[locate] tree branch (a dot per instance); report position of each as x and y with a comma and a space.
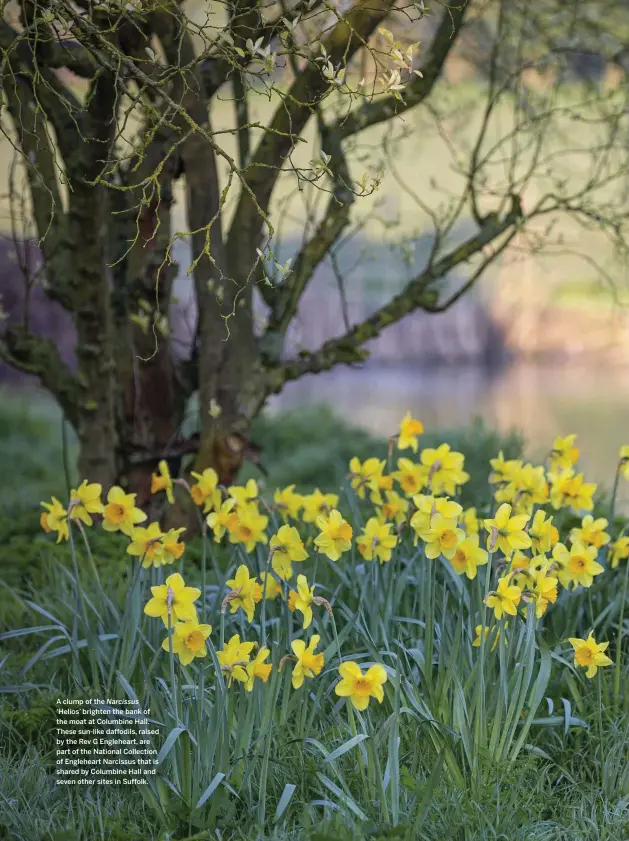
40, 357
418, 294
287, 124
336, 219
418, 90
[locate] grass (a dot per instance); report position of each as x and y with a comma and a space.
470, 743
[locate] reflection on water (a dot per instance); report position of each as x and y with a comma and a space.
541, 401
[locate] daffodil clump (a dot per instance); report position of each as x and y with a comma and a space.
537, 541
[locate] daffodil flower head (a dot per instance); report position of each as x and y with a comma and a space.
288, 503
244, 494
505, 599
335, 535
365, 476
468, 556
443, 537
376, 541
84, 501
287, 547
234, 659
223, 519
248, 527
188, 641
506, 532
304, 599
394, 507
410, 429
317, 504
258, 669
55, 519
619, 551
173, 601
162, 481
444, 469
411, 477
146, 543
590, 655
205, 493
564, 453
244, 592
577, 565
308, 663
120, 513
359, 687
271, 588
592, 532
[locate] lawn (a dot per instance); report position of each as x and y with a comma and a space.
450, 733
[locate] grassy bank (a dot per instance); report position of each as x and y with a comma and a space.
472, 738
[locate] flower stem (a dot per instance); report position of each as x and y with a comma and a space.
621, 620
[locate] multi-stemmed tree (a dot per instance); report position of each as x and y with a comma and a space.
108, 107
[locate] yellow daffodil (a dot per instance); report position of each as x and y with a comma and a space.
359, 687
591, 533
317, 503
188, 641
577, 565
468, 556
246, 592
619, 551
394, 507
248, 527
174, 598
564, 454
271, 588
335, 535
287, 547
244, 495
55, 518
85, 500
427, 507
410, 476
258, 669
590, 655
443, 469
308, 663
234, 659
485, 631
544, 589
525, 569
542, 533
503, 470
223, 519
288, 503
205, 493
120, 513
376, 541
528, 487
443, 537
568, 490
365, 476
506, 533
162, 481
623, 461
146, 543
468, 519
303, 599
505, 599
172, 547
410, 428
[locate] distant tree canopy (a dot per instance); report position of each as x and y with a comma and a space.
109, 109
